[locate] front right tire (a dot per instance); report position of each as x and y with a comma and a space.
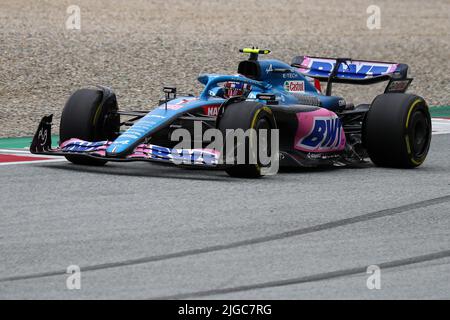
247, 115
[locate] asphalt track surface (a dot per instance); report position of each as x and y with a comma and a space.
139, 230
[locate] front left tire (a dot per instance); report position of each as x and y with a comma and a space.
89, 114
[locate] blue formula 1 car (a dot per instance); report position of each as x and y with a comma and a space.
313, 127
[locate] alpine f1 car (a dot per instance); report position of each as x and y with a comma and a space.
315, 128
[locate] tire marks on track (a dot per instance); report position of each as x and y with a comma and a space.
310, 278
243, 243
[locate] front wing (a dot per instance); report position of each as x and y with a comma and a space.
41, 144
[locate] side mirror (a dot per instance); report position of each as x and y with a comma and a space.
171, 93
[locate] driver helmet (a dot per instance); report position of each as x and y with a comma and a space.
233, 89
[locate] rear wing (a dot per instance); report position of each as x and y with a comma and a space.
346, 70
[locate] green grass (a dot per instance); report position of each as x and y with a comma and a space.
440, 111
22, 142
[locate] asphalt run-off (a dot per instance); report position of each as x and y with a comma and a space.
176, 233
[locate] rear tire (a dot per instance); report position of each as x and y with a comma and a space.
246, 115
87, 116
397, 130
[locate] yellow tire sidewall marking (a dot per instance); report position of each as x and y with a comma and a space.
252, 126
408, 147
97, 114
410, 110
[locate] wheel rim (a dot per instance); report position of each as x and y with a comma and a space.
420, 134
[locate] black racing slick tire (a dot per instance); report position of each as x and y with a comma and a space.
89, 115
246, 115
397, 130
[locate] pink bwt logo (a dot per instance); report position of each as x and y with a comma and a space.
319, 131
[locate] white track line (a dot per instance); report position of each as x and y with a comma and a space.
21, 153
440, 126
14, 151
31, 162
27, 153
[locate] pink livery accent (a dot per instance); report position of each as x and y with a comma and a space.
319, 131
70, 141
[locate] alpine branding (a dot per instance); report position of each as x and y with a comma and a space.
324, 136
42, 136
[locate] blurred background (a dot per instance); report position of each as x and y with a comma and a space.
137, 46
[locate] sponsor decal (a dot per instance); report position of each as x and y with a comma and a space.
294, 86
322, 156
353, 70
177, 156
398, 85
319, 131
76, 145
144, 151
308, 100
290, 75
325, 134
123, 142
211, 111
129, 135
175, 106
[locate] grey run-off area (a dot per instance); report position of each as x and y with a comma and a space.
140, 230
